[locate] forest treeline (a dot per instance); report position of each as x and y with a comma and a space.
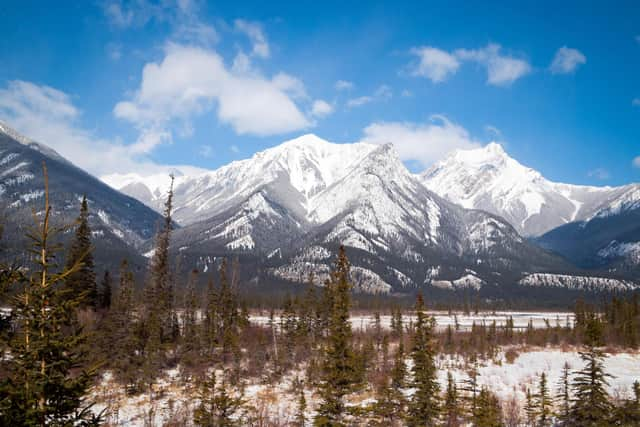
63, 328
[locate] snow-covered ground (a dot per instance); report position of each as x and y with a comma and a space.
443, 319
175, 400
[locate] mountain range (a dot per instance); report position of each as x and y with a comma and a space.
476, 220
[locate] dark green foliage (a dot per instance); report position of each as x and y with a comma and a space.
423, 408
218, 407
563, 396
81, 282
543, 403
42, 388
301, 414
451, 411
591, 404
488, 412
190, 340
338, 367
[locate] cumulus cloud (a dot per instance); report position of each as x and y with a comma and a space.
599, 173
567, 60
48, 116
636, 162
502, 70
421, 142
321, 108
344, 85
190, 80
359, 101
253, 30
437, 65
433, 63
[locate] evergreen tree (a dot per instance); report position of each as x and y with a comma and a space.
530, 409
81, 282
591, 404
218, 407
543, 403
563, 396
488, 412
451, 409
628, 414
211, 317
42, 387
423, 405
189, 322
471, 388
338, 367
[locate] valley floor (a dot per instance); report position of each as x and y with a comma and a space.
509, 374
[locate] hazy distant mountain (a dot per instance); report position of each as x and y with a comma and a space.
120, 224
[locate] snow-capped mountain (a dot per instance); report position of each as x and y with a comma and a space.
120, 224
293, 204
488, 179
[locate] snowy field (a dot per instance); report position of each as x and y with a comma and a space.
443, 319
507, 380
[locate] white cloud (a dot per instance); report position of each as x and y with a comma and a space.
382, 92
435, 64
344, 85
190, 80
599, 173
321, 108
636, 162
359, 101
438, 65
636, 102
47, 115
182, 15
114, 51
421, 142
253, 30
638, 38
567, 60
234, 149
492, 130
502, 70
406, 93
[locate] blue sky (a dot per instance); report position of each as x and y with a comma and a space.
147, 84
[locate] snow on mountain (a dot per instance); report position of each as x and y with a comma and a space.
578, 282
487, 178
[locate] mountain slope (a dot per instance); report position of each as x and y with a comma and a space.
488, 179
120, 224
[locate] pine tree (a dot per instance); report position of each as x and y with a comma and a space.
338, 367
591, 403
211, 317
628, 414
82, 282
471, 389
423, 405
42, 387
563, 397
488, 412
543, 403
451, 409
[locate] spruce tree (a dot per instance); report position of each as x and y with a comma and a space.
543, 403
488, 412
82, 281
189, 322
218, 407
338, 366
451, 409
530, 409
47, 382
301, 414
423, 408
591, 403
563, 396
